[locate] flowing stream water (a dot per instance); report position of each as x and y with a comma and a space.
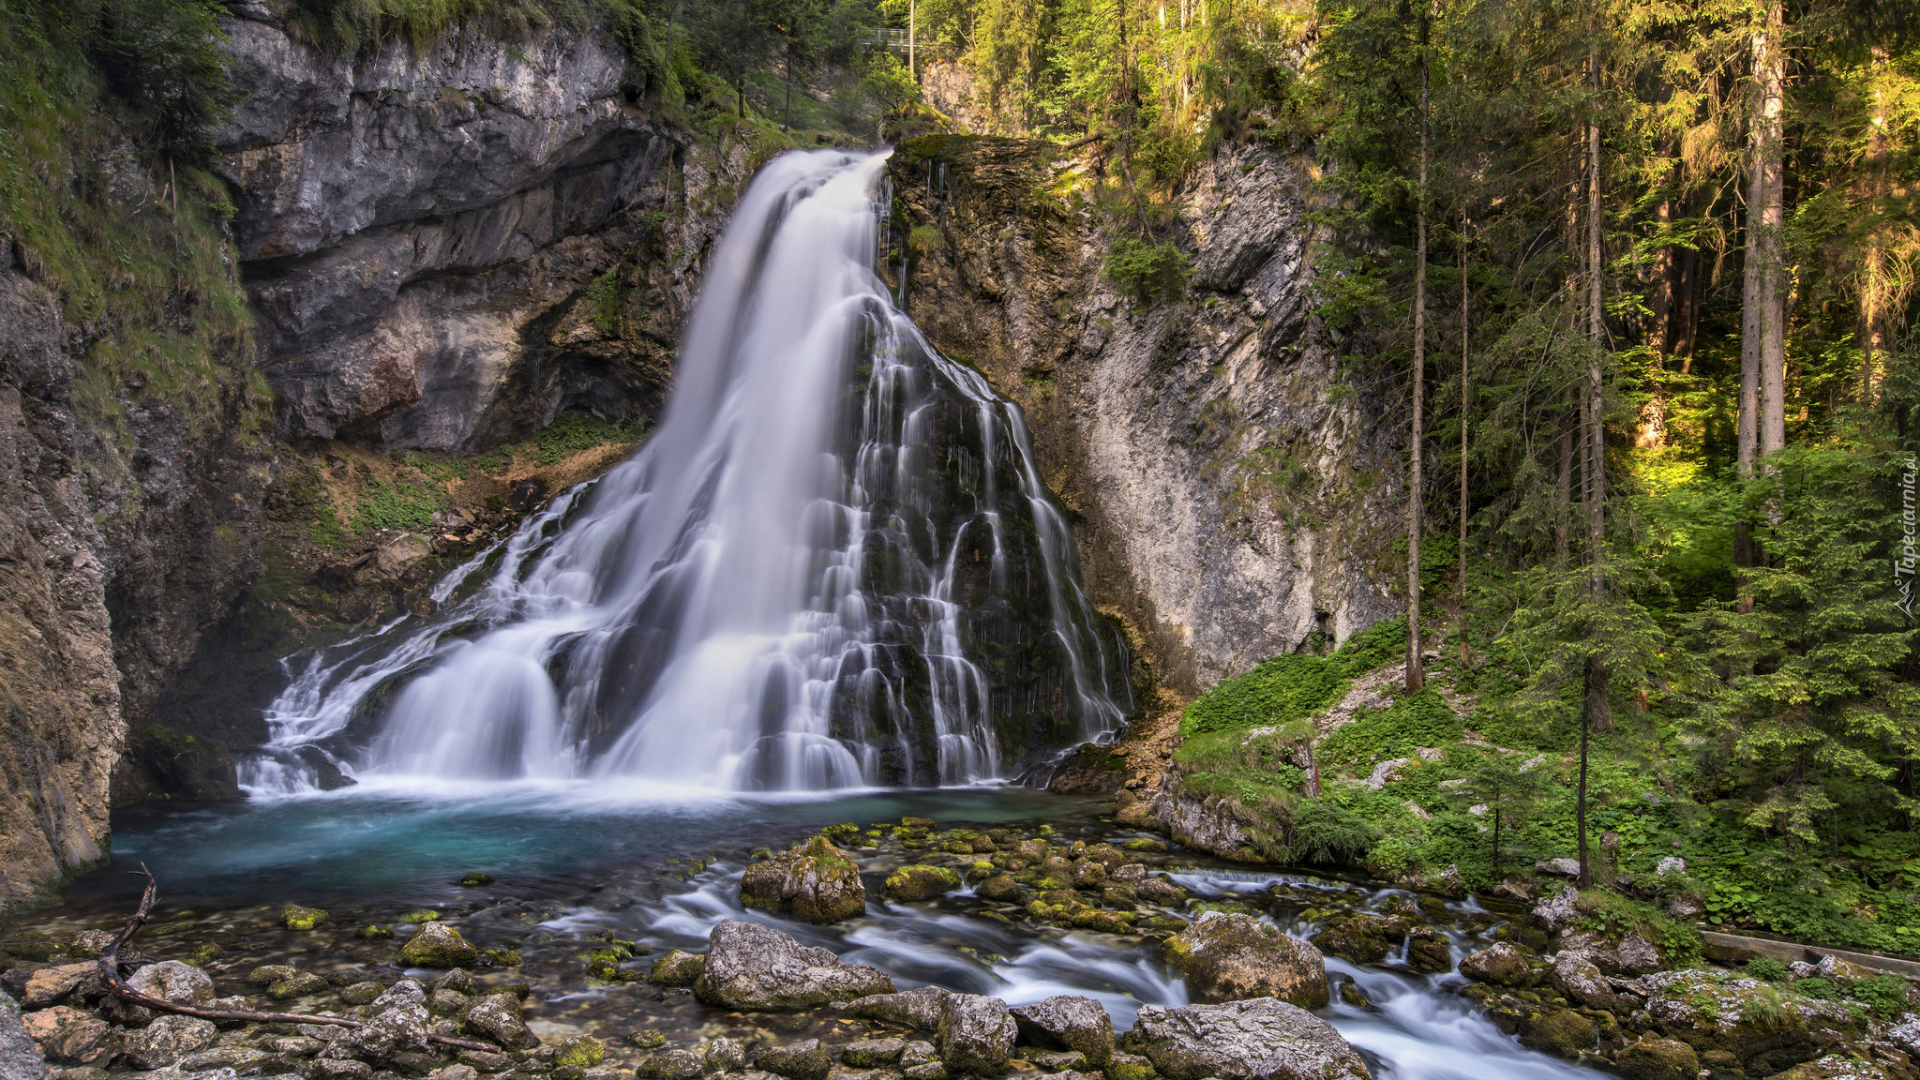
834, 573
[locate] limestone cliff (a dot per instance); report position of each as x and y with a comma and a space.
1235, 495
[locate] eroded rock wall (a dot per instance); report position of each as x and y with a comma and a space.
1234, 494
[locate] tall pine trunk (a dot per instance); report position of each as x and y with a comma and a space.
1767, 202
1416, 674
1593, 710
1466, 650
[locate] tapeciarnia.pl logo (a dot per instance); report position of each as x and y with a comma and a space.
1909, 557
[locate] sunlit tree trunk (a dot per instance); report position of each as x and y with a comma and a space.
1416, 674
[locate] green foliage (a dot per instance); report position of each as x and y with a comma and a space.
572, 433
1278, 690
1766, 968
1146, 271
403, 505
1326, 833
1412, 721
164, 59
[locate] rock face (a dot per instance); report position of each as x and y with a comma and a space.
1260, 1039
1231, 957
62, 730
750, 966
816, 881
1231, 500
405, 215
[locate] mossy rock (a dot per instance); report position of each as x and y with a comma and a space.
361, 993
438, 945
816, 881
295, 917
1147, 843
579, 1051
475, 880
1559, 1031
677, 968
1001, 888
915, 883
420, 915
1130, 1067
374, 932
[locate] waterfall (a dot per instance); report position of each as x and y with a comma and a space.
834, 565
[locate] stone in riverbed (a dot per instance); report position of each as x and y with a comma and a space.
872, 1053
20, 1059
816, 881
750, 966
182, 984
1258, 1039
67, 1036
295, 917
167, 1040
1067, 1022
976, 1035
1000, 887
806, 1060
437, 945
920, 1008
1659, 1059
671, 1065
915, 883
1234, 957
396, 1024
1559, 1031
677, 968
497, 1019
52, 984
1502, 965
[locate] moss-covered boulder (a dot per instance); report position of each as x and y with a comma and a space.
1260, 1039
1362, 938
1767, 1028
677, 968
816, 881
1558, 1031
914, 883
1658, 1059
1233, 957
437, 945
295, 917
1001, 888
579, 1051
1502, 965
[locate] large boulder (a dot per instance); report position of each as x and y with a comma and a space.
1233, 957
171, 980
1067, 1022
1258, 1039
921, 1007
1659, 1059
805, 1060
750, 966
915, 883
1502, 965
167, 1040
497, 1019
71, 1037
20, 1059
976, 1035
397, 1023
815, 881
1767, 1031
437, 945
677, 968
1577, 977
54, 984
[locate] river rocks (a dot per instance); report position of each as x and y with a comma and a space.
999, 887
282, 982
1067, 1022
1363, 937
1428, 950
677, 968
1258, 1039
53, 984
295, 917
872, 1053
1502, 965
914, 883
20, 1059
976, 1035
171, 980
437, 945
1576, 977
1659, 1059
671, 1065
1230, 957
1559, 1031
396, 1024
921, 1007
167, 1040
497, 1018
806, 1060
816, 881
750, 966
1766, 1030
68, 1036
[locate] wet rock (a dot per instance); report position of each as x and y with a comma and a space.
1363, 938
67, 1036
446, 1002
1559, 1031
1636, 955
483, 1061
1428, 951
339, 1069
932, 1070
1232, 957
457, 980
917, 1052
167, 1040
920, 1008
579, 1052
455, 1072
915, 883
475, 880
1088, 874
297, 984
437, 945
53, 984
19, 1057
1258, 1039
361, 993
646, 1038
1580, 980
816, 881
1556, 911
295, 917
171, 980
1001, 888
723, 1055
677, 968
1129, 1067
1767, 1031
1351, 994
1068, 1022
872, 1053
806, 1060
976, 1035
757, 967
671, 1065
396, 1024
1159, 890
297, 1046
1502, 965
497, 1018
1659, 1059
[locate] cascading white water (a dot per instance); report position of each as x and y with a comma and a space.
834, 565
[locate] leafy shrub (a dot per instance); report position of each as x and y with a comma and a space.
1886, 995
574, 432
1326, 832
396, 506
923, 239
1766, 969
164, 59
1146, 271
1414, 720
1279, 690
1381, 643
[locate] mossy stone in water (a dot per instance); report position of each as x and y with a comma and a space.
1130, 1067
646, 1039
476, 879
1559, 1031
677, 968
362, 993
295, 917
438, 945
579, 1051
420, 915
999, 887
914, 883
298, 984
816, 881
374, 932
1146, 843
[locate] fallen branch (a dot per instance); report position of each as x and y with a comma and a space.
110, 974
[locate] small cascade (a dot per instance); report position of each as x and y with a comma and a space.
833, 566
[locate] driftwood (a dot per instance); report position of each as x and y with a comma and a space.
110, 974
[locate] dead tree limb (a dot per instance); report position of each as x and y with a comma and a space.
110, 974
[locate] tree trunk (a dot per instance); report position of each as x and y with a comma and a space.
1596, 332
1766, 203
912, 28
1416, 675
1466, 650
